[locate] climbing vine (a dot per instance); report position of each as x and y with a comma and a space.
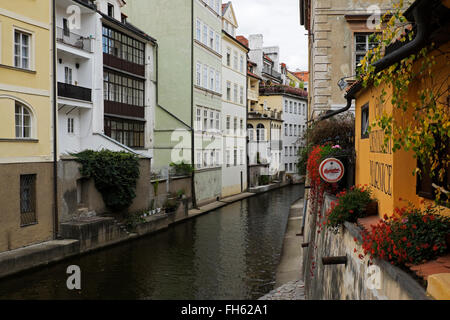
115, 175
418, 90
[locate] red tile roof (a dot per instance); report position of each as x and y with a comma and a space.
302, 75
242, 40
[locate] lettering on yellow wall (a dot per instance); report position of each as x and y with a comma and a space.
381, 176
377, 142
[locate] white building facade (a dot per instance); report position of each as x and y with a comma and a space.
234, 106
106, 80
294, 126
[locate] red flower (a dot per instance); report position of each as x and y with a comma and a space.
435, 248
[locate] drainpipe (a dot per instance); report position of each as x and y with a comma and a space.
191, 129
420, 13
55, 130
194, 196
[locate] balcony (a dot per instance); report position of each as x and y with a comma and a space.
261, 114
282, 89
123, 109
74, 92
253, 95
121, 64
271, 72
72, 39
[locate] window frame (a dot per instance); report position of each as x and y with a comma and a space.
365, 110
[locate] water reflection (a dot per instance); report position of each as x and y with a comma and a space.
228, 254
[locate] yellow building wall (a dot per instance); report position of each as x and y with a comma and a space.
30, 87
390, 175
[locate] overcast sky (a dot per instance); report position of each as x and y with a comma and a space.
279, 22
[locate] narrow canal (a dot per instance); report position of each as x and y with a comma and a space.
231, 253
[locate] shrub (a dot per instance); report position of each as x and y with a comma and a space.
182, 168
411, 236
115, 175
350, 206
264, 180
171, 205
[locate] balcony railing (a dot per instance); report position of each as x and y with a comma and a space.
272, 72
280, 89
74, 92
72, 39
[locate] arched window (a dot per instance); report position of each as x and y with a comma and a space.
260, 130
250, 132
23, 121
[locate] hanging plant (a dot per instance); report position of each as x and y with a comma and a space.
115, 175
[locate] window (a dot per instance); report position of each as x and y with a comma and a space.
68, 75
211, 39
290, 129
27, 199
205, 159
235, 93
286, 129
241, 95
198, 30
365, 122
286, 151
23, 121
295, 130
218, 2
228, 57
241, 126
205, 120
241, 65
128, 132
290, 106
21, 50
211, 120
228, 124
66, 31
217, 43
217, 121
362, 45
250, 132
199, 74
217, 81
285, 106
290, 151
228, 90
199, 161
290, 167
205, 34
70, 125
235, 60
425, 181
122, 46
295, 107
235, 157
205, 76
260, 132
123, 89
110, 10
286, 167
228, 158
198, 119
211, 79
235, 126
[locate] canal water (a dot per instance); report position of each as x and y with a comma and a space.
230, 253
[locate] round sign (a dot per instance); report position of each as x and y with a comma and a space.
331, 170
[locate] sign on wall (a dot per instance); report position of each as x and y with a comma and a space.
331, 170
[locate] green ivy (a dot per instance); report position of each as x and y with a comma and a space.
115, 175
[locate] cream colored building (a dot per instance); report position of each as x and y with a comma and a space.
234, 104
338, 39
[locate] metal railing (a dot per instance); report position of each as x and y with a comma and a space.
70, 38
271, 72
74, 92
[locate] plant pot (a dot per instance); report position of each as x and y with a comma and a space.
372, 209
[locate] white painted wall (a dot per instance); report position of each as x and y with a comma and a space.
293, 142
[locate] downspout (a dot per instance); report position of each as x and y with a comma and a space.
246, 123
55, 130
420, 13
194, 203
194, 196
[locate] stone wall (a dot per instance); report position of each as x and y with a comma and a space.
12, 234
355, 280
76, 193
